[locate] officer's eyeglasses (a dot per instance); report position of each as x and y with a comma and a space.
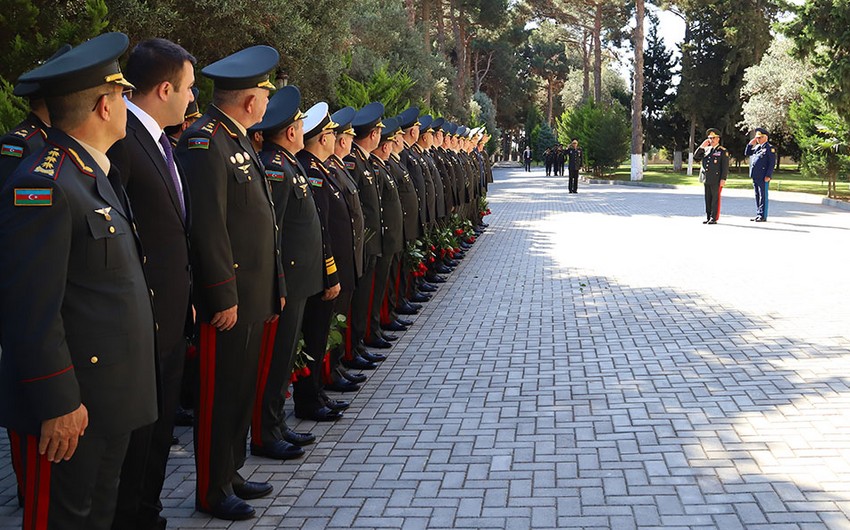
126, 93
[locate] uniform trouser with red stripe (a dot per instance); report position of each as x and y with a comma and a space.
143, 472
712, 199
361, 302
78, 494
379, 288
395, 286
342, 306
278, 357
317, 323
228, 376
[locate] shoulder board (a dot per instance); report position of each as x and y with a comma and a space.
289, 157
211, 125
49, 163
277, 176
79, 162
24, 130
316, 182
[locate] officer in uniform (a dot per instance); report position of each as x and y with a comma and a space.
367, 127
303, 265
234, 254
77, 374
28, 136
311, 402
762, 162
713, 173
346, 224
526, 158
575, 159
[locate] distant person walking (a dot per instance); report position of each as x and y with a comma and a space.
762, 161
526, 158
548, 157
575, 159
713, 173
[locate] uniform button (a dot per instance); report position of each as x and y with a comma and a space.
292, 262
155, 326
134, 227
277, 251
235, 265
144, 259
94, 359
249, 177
111, 229
151, 291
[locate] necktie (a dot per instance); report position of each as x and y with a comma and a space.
169, 161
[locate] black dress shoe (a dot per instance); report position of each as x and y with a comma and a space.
485, 225
428, 288
406, 309
395, 325
706, 221
252, 490
379, 343
373, 357
404, 322
417, 307
442, 269
389, 337
427, 284
435, 278
322, 414
354, 378
337, 404
711, 222
343, 385
452, 263
231, 508
420, 297
464, 245
761, 220
278, 450
183, 417
359, 363
297, 438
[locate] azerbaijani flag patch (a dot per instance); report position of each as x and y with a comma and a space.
33, 196
316, 182
277, 176
349, 165
12, 150
199, 143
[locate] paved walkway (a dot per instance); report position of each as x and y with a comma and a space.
600, 360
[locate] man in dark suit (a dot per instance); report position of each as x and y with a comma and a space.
77, 374
163, 73
713, 172
235, 267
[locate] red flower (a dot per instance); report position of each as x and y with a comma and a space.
431, 260
294, 377
433, 248
456, 250
306, 371
288, 394
459, 232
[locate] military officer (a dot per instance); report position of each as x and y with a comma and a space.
234, 254
346, 222
367, 127
762, 162
713, 173
77, 373
311, 402
28, 136
303, 261
575, 159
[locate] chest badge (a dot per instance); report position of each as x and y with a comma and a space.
105, 212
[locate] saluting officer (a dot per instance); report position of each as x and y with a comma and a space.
28, 136
575, 159
762, 162
234, 253
77, 373
302, 258
713, 173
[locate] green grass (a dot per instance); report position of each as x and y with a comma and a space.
783, 180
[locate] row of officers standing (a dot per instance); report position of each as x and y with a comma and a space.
129, 221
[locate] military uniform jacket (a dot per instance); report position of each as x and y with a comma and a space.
346, 242
446, 170
489, 166
317, 176
416, 167
715, 164
22, 141
76, 314
762, 160
433, 173
301, 245
233, 234
407, 196
576, 158
391, 213
360, 168
345, 183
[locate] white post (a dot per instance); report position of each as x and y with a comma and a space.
637, 166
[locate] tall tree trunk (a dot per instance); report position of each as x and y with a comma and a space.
691, 144
426, 33
585, 66
550, 89
637, 98
441, 25
410, 8
597, 52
